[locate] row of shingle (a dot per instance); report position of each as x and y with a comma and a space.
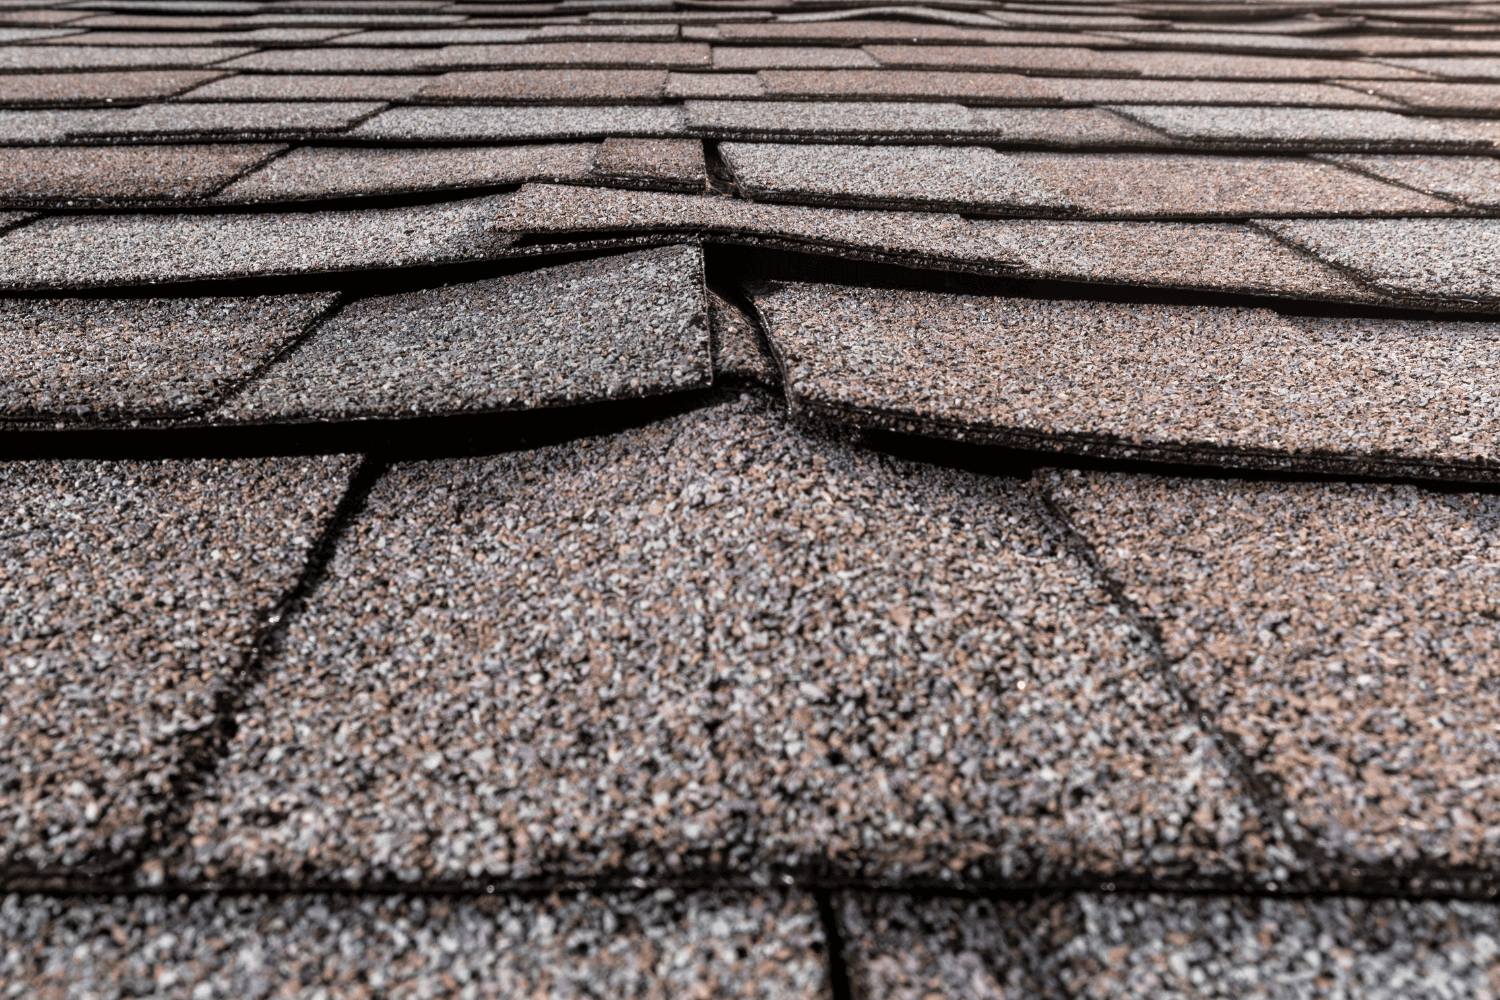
954, 178
794, 654
1210, 129
767, 944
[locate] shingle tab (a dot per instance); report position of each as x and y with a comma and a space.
319, 172
30, 127
1223, 66
574, 55
1136, 947
737, 347
109, 360
547, 86
33, 58
513, 124
1341, 633
1477, 100
633, 946
330, 60
110, 250
917, 85
1193, 384
714, 670
1313, 128
1445, 259
1476, 69
1220, 92
122, 626
87, 176
960, 178
309, 87
240, 118
1474, 180
54, 89
790, 57
1065, 127
1032, 59
554, 337
666, 163
825, 120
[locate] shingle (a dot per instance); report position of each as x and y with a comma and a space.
906, 12
1313, 128
1064, 127
53, 89
1454, 260
1136, 947
880, 32
122, 359
309, 87
39, 17
1342, 634
319, 172
1477, 69
1146, 185
10, 36
94, 251
1224, 92
688, 86
1210, 256
737, 348
631, 946
891, 84
1471, 99
826, 120
803, 654
1472, 179
122, 628
940, 239
961, 178
1047, 60
29, 127
780, 57
260, 36
1392, 45
613, 328
241, 118
675, 163
1199, 384
574, 55
548, 86
1215, 41
31, 58
400, 38
460, 124
330, 60
93, 175
1223, 66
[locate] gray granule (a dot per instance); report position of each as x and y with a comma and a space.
822, 119
1312, 127
1343, 634
310, 87
1445, 259
678, 162
737, 345
1146, 185
1168, 948
52, 89
613, 328
779, 57
329, 60
60, 57
543, 208
93, 251
315, 172
714, 642
481, 124
114, 359
1474, 180
962, 177
93, 175
635, 946
130, 592
547, 86
1243, 386
1173, 255
712, 86
266, 118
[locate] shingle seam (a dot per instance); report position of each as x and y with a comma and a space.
1360, 169
1273, 804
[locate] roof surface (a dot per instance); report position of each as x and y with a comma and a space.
697, 498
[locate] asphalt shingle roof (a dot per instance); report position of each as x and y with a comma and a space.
749, 498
